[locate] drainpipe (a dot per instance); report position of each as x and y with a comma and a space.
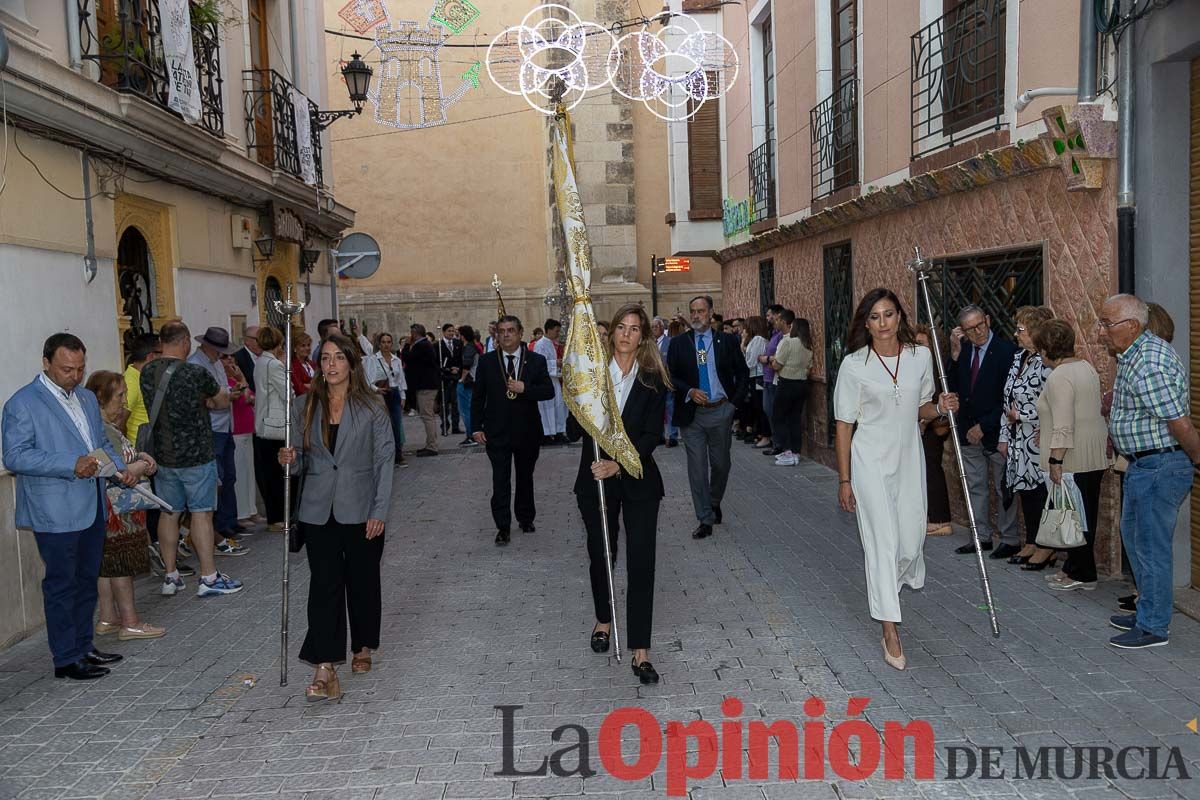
74, 48
1126, 203
1087, 51
1026, 97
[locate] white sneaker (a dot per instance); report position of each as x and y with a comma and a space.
171, 586
787, 460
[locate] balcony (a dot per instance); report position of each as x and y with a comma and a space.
958, 65
834, 126
762, 183
124, 39
271, 124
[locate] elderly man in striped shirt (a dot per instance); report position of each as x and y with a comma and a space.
1150, 425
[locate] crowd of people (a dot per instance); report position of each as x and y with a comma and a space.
191, 437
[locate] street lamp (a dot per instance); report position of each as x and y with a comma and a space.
358, 80
265, 247
308, 258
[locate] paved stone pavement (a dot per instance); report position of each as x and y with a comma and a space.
771, 610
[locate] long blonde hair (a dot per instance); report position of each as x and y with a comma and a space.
649, 359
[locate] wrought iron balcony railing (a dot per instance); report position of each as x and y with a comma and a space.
958, 76
124, 39
834, 125
271, 123
762, 182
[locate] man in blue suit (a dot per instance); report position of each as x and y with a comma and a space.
50, 428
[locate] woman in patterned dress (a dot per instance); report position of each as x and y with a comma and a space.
1019, 435
126, 540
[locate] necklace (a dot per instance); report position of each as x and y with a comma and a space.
895, 376
519, 357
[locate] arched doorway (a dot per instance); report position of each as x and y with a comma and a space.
272, 291
135, 282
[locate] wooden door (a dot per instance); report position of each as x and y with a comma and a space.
260, 62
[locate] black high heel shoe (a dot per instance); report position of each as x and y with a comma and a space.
1019, 559
1038, 566
645, 671
600, 641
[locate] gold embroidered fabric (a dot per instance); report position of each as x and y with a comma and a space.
587, 387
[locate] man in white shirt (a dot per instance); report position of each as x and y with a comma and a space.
554, 411
364, 342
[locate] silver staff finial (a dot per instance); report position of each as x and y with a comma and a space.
918, 265
496, 282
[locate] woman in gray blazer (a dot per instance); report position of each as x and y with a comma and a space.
345, 467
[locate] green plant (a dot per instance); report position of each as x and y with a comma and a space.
213, 12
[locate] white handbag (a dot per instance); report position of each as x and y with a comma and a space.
1061, 527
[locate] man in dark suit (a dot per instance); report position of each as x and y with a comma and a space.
710, 377
424, 378
248, 354
509, 383
450, 365
981, 361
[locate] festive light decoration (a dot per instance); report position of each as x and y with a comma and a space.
551, 51
408, 93
362, 15
672, 72
454, 15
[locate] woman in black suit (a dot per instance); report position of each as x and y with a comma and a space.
640, 379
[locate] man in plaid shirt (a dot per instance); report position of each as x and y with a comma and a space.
1151, 427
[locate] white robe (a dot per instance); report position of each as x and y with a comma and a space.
553, 412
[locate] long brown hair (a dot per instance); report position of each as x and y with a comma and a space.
859, 337
648, 358
360, 395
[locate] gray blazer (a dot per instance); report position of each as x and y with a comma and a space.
355, 481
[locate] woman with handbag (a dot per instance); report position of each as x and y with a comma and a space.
345, 465
1073, 442
1023, 475
386, 373
270, 416
640, 381
125, 542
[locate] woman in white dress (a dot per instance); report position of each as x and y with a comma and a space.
884, 386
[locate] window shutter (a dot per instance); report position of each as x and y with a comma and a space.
704, 158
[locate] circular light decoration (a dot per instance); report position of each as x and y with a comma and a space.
674, 71
551, 44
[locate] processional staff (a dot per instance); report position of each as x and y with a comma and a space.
287, 308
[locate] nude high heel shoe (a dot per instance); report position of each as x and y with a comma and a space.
896, 662
324, 688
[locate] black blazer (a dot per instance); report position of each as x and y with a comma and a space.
507, 422
421, 365
983, 405
685, 372
449, 357
245, 361
643, 418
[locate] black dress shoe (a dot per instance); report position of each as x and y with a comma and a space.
672, 443
1004, 551
1128, 603
644, 671
702, 531
600, 641
502, 537
425, 452
527, 527
98, 659
717, 513
969, 548
80, 671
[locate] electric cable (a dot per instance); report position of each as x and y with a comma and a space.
17, 143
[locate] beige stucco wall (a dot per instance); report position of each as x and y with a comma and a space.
1049, 51
886, 93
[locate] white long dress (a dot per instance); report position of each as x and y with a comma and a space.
887, 468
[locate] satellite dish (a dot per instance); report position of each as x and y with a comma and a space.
357, 256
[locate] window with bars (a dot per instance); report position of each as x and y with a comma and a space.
839, 307
766, 285
999, 282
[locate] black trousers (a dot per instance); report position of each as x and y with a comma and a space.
1032, 503
790, 399
448, 405
503, 458
1081, 561
936, 491
268, 474
641, 529
345, 577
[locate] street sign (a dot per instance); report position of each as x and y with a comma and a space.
357, 256
674, 265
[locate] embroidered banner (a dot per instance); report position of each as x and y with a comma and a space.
183, 85
304, 134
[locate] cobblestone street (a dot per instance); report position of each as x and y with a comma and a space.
771, 610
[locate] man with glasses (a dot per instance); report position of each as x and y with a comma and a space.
1151, 427
981, 361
